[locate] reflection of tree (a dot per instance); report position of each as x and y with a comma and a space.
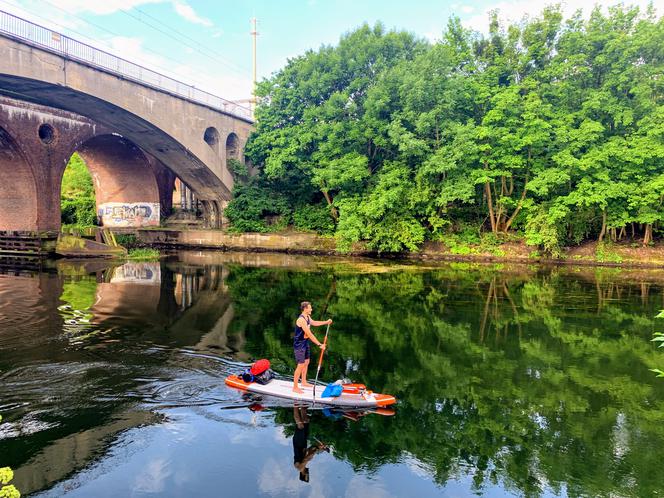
531, 385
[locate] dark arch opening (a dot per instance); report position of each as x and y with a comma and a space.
211, 136
232, 147
126, 192
46, 133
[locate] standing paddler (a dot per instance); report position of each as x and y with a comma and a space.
301, 347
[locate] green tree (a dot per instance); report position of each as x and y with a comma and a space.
548, 126
77, 194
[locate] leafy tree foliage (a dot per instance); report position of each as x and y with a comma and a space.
550, 127
496, 378
78, 206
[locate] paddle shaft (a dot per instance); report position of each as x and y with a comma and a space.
320, 360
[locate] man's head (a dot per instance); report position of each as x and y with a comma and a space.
305, 307
304, 475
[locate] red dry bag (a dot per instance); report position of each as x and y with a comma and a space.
259, 367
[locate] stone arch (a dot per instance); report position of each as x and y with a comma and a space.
211, 137
232, 147
126, 189
18, 194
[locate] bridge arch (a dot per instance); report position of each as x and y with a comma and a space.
18, 193
232, 147
126, 189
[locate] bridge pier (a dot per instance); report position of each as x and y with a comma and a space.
36, 143
35, 146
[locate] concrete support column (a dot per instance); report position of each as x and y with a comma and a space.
190, 200
183, 196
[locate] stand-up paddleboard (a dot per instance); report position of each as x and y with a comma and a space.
353, 395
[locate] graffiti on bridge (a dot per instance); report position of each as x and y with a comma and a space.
122, 214
137, 273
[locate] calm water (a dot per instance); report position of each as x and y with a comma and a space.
513, 381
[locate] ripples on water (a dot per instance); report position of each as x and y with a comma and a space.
112, 382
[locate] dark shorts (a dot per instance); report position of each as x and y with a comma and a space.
302, 354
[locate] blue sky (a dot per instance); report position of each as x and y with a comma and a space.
207, 43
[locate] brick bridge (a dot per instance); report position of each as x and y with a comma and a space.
136, 130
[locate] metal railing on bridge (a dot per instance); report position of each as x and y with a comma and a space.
27, 32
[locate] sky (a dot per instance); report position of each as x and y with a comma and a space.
208, 43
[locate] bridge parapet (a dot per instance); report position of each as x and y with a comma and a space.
33, 34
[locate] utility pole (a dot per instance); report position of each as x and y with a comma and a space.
254, 35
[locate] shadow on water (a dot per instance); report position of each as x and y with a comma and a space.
523, 380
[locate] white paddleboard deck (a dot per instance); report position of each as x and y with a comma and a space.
284, 389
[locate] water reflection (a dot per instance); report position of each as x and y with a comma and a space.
526, 380
302, 452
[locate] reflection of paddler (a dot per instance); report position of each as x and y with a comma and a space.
301, 454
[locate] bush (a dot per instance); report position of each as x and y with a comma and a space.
314, 218
604, 254
542, 231
77, 201
128, 240
143, 254
238, 169
80, 211
252, 205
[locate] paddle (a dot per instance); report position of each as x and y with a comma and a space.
320, 360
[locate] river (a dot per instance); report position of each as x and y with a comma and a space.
511, 380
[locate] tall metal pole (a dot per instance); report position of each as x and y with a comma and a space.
254, 35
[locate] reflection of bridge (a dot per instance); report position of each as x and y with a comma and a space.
135, 129
180, 307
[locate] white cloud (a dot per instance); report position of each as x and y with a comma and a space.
182, 8
432, 37
282, 478
152, 478
216, 79
360, 486
467, 9
187, 12
515, 10
102, 8
49, 17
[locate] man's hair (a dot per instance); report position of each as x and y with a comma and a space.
304, 304
304, 475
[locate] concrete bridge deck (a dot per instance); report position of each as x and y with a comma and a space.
63, 96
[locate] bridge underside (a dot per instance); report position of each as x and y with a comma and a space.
132, 188
148, 137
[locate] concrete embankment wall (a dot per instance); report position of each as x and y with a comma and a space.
254, 242
622, 255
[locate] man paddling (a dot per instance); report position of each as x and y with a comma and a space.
301, 348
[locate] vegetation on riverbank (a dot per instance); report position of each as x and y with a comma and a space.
549, 128
143, 254
77, 197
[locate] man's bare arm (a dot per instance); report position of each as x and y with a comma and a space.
307, 331
316, 323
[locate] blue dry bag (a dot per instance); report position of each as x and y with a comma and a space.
332, 391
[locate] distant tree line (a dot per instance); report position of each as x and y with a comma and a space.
550, 128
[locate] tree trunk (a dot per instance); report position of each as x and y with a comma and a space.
489, 201
518, 206
603, 230
333, 210
621, 234
647, 236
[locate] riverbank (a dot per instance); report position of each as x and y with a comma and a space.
629, 254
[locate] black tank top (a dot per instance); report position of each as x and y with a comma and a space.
299, 340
